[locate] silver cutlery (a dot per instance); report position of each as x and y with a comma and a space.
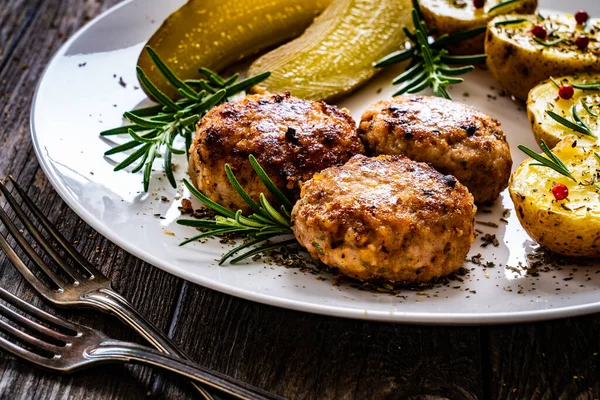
78, 284
58, 345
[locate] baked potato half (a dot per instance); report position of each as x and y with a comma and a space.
453, 16
518, 60
570, 227
544, 97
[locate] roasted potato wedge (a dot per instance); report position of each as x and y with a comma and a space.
570, 227
519, 61
215, 34
544, 97
453, 16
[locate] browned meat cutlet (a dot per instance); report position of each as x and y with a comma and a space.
291, 138
454, 138
386, 218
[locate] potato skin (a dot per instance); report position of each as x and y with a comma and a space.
569, 227
545, 97
291, 138
450, 16
454, 138
386, 218
519, 63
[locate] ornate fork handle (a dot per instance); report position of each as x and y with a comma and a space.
112, 351
113, 303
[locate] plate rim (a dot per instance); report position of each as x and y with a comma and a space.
421, 318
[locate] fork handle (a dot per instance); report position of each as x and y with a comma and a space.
113, 303
112, 350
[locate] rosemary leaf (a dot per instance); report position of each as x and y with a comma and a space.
155, 92
238, 188
587, 108
511, 21
243, 246
263, 249
123, 129
269, 183
587, 86
571, 125
395, 57
548, 44
166, 71
501, 5
551, 160
208, 202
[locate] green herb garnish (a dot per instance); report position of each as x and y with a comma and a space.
503, 4
548, 44
154, 129
551, 160
511, 22
319, 248
578, 126
264, 224
587, 86
429, 66
588, 109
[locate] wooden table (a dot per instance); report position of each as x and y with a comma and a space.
293, 354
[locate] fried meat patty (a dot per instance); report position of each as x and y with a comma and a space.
291, 138
386, 218
454, 138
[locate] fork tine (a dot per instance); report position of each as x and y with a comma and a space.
32, 325
64, 243
36, 312
18, 351
60, 261
27, 338
23, 269
14, 231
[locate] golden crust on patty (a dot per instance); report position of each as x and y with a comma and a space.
386, 218
291, 138
454, 138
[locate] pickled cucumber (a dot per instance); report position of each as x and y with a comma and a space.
215, 34
336, 53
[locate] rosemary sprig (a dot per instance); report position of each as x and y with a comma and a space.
264, 224
429, 66
551, 160
577, 126
153, 130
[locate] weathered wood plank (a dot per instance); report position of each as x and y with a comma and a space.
304, 356
549, 360
30, 33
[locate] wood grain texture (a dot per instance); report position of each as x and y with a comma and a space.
304, 356
549, 360
30, 33
300, 356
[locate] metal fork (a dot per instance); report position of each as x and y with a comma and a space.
86, 286
62, 346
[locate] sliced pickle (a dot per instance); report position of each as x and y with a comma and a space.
216, 33
336, 53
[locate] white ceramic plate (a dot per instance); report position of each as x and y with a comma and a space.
80, 95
